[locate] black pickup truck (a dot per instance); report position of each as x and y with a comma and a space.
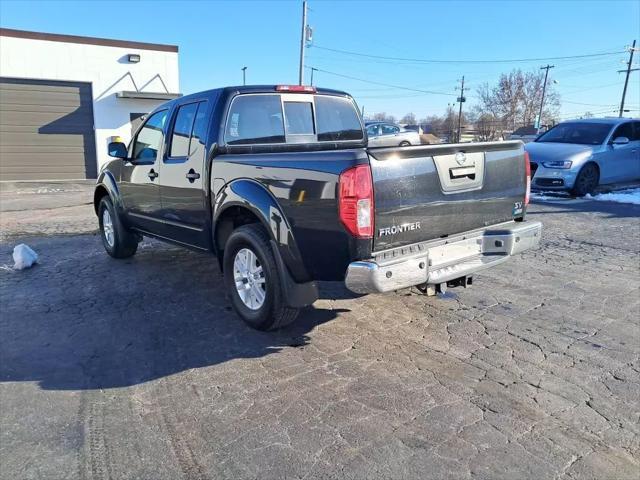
278, 183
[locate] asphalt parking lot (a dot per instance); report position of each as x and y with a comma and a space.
139, 369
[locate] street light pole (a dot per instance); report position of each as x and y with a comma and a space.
312, 70
544, 89
244, 75
302, 39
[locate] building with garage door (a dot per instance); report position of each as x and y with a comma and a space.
63, 96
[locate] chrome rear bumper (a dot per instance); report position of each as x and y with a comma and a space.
442, 260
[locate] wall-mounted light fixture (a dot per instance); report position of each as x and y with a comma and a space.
133, 58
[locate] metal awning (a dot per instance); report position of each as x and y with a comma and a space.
147, 95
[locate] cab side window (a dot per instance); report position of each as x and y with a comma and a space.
390, 129
636, 132
189, 130
149, 140
182, 130
373, 130
624, 130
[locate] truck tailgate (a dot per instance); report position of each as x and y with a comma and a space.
426, 192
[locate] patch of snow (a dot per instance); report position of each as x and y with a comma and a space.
631, 195
554, 197
24, 257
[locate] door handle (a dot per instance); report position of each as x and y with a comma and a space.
152, 174
192, 176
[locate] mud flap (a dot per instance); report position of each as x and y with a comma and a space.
297, 295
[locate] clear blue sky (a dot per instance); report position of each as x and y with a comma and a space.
216, 39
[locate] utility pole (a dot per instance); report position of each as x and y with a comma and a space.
312, 70
461, 100
626, 80
302, 40
544, 89
244, 75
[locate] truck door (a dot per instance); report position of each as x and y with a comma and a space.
182, 186
141, 173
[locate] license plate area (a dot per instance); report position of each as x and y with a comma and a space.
454, 252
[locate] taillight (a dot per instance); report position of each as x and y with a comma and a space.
527, 172
296, 88
355, 201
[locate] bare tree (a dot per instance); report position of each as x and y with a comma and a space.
383, 117
409, 119
487, 127
515, 100
436, 122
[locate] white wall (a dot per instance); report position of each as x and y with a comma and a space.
104, 67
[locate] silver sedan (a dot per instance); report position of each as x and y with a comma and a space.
579, 155
383, 134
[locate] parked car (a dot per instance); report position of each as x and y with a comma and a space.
383, 134
579, 155
527, 134
279, 184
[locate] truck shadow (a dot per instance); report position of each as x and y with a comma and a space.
80, 320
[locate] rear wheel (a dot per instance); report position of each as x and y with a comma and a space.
117, 240
586, 181
253, 281
405, 144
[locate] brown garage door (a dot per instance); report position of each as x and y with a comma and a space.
46, 130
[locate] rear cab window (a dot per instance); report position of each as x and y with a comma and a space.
290, 118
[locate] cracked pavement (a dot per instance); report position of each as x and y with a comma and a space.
138, 368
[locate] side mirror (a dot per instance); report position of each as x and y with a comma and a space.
620, 141
117, 150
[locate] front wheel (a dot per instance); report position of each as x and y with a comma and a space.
117, 240
405, 144
252, 279
586, 181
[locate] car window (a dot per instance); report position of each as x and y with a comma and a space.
182, 130
337, 119
149, 139
624, 130
389, 129
255, 119
584, 133
298, 118
372, 130
636, 131
199, 134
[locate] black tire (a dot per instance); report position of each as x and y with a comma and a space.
586, 181
124, 242
273, 312
405, 144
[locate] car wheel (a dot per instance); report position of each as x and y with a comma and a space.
405, 144
586, 181
253, 281
117, 240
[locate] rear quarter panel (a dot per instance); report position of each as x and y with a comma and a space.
305, 187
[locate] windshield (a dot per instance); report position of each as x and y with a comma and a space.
577, 132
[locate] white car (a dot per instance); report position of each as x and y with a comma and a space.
382, 134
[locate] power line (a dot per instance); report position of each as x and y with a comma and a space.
399, 87
423, 60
